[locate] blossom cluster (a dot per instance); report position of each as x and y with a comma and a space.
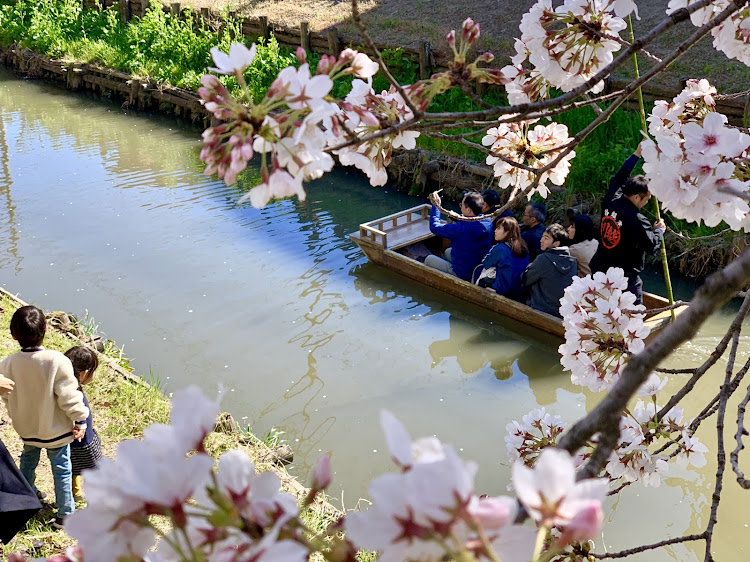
533, 148
427, 510
538, 429
633, 460
731, 36
570, 44
298, 125
696, 165
603, 327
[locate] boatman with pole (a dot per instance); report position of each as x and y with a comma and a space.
625, 234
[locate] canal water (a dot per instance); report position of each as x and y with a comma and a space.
108, 211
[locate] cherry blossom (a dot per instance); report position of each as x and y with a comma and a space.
549, 491
568, 45
603, 326
652, 386
236, 62
693, 452
538, 430
696, 160
532, 147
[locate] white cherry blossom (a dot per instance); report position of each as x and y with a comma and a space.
238, 59
549, 491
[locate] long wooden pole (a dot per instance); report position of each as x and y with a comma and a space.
644, 126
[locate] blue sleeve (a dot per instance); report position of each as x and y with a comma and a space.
620, 178
448, 230
494, 257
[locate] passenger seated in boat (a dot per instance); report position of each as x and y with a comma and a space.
583, 242
491, 203
509, 258
547, 277
533, 227
470, 240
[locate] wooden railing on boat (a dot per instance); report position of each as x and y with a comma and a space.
399, 229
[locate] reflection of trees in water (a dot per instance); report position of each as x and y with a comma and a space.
127, 141
312, 337
6, 181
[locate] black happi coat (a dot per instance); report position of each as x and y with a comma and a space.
18, 502
626, 236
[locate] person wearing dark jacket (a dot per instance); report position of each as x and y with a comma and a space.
470, 240
550, 273
509, 256
626, 236
533, 227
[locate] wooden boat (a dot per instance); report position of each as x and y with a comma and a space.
384, 242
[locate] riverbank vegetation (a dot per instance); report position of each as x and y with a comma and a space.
123, 407
175, 50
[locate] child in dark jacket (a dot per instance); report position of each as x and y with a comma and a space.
510, 258
551, 272
84, 454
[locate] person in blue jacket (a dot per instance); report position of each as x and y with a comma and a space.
470, 240
509, 256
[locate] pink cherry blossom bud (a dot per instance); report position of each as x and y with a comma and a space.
234, 140
466, 28
16, 557
493, 513
584, 525
322, 473
75, 553
324, 65
211, 106
473, 34
210, 81
451, 38
486, 57
301, 55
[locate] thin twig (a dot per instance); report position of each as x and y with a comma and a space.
734, 328
644, 548
357, 17
741, 431
720, 453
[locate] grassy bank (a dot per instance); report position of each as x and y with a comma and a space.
123, 407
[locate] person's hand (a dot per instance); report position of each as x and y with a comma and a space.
660, 225
639, 149
434, 198
79, 431
6, 385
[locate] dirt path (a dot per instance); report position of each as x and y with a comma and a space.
404, 22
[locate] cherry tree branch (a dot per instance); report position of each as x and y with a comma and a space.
717, 289
734, 328
720, 454
741, 431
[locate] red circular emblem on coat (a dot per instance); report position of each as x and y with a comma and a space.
610, 232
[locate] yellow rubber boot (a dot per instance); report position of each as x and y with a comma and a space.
78, 487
